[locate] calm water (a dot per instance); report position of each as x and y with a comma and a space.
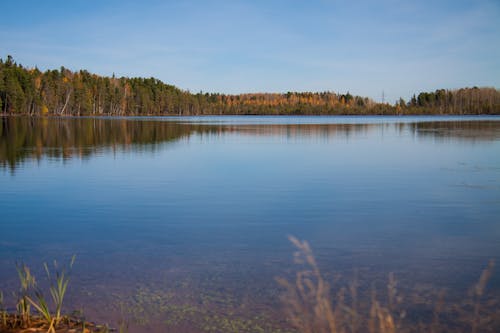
181, 221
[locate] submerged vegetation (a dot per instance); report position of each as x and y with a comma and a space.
311, 305
65, 92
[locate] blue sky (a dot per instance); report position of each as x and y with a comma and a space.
364, 47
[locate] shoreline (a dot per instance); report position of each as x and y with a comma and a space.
430, 115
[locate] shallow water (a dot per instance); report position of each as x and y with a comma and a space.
185, 219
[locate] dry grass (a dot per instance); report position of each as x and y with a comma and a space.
313, 306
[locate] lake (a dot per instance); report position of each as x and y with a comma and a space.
183, 221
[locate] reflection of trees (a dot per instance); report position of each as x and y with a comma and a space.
471, 131
23, 138
467, 130
312, 131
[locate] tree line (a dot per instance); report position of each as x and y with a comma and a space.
80, 93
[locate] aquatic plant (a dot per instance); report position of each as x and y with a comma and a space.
30, 295
42, 307
3, 311
58, 290
58, 286
27, 281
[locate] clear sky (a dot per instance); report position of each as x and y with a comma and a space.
233, 46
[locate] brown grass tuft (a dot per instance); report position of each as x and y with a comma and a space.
312, 306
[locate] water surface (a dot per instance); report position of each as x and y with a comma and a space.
195, 211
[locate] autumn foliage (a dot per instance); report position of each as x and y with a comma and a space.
65, 92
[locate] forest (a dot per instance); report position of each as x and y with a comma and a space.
29, 91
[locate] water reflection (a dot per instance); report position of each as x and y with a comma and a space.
196, 227
24, 138
466, 131
33, 138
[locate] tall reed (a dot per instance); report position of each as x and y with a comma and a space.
58, 286
3, 311
312, 306
27, 281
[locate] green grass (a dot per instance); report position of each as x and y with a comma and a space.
30, 295
27, 281
58, 285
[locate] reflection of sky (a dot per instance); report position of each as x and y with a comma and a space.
378, 180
